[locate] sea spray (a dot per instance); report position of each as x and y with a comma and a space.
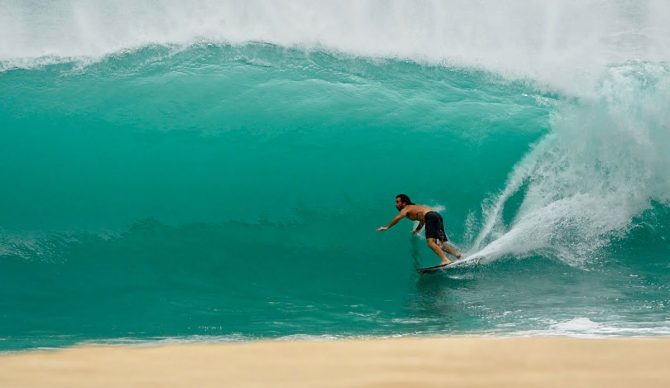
563, 44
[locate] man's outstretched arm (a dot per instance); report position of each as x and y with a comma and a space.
393, 222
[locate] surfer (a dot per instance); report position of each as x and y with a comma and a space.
435, 236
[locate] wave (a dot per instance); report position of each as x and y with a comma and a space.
227, 188
592, 155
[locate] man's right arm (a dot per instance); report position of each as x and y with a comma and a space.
393, 222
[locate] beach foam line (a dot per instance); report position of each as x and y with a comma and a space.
441, 361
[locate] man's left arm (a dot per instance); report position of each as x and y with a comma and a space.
418, 228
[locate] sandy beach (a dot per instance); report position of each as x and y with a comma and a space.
455, 361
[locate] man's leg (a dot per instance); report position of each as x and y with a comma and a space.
450, 249
436, 248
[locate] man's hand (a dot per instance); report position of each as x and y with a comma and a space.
382, 228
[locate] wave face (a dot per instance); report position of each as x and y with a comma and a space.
218, 171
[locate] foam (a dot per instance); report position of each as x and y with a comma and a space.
583, 327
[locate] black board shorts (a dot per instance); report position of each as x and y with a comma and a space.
435, 226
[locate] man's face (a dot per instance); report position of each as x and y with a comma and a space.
398, 204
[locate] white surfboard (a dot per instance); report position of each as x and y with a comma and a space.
444, 267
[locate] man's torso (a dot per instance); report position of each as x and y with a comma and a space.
417, 212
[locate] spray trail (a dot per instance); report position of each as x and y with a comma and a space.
602, 165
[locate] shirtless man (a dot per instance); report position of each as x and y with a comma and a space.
437, 239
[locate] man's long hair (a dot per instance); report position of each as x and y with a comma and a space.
404, 198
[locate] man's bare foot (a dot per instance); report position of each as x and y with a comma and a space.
446, 262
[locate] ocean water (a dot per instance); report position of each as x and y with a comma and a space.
216, 171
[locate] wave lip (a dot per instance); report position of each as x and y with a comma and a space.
561, 44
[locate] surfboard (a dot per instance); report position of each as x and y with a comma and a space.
444, 267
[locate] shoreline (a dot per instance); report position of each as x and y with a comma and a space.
406, 361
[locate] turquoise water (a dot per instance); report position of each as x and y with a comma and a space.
215, 191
